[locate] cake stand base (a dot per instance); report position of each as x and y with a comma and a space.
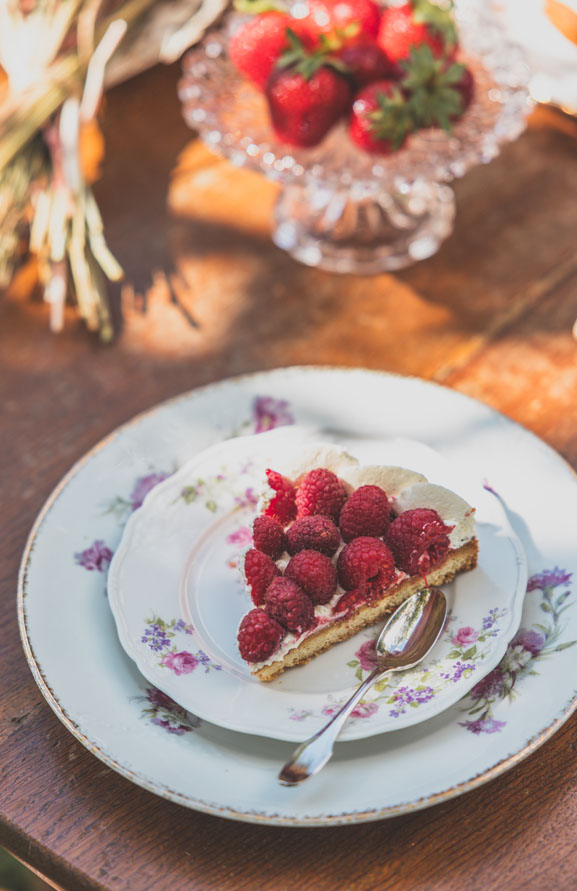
363, 233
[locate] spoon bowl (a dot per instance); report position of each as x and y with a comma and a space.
408, 636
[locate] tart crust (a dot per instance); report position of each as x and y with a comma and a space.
460, 560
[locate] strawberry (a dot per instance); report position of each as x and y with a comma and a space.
414, 24
381, 119
256, 46
366, 62
306, 95
343, 17
439, 91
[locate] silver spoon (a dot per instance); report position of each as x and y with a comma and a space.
406, 639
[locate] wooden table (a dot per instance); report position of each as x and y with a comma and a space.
490, 315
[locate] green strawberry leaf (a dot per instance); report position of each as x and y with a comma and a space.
392, 120
255, 7
307, 63
438, 18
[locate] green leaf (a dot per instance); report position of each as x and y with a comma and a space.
546, 607
438, 18
472, 651
211, 505
359, 673
454, 654
414, 704
255, 7
353, 663
565, 646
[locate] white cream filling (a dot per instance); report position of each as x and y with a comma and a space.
406, 490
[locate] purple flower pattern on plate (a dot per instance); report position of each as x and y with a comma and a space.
461, 661
164, 712
96, 557
159, 636
422, 686
527, 647
269, 413
409, 697
144, 485
122, 507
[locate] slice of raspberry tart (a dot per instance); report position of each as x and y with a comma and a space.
337, 546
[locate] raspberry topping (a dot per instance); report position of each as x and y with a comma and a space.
269, 537
320, 492
289, 605
259, 636
350, 601
313, 533
365, 560
367, 512
314, 573
419, 539
282, 506
259, 570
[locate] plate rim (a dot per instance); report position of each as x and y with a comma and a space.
251, 816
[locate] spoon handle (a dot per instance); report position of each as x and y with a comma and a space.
312, 755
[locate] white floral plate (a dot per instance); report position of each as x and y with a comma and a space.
73, 650
191, 528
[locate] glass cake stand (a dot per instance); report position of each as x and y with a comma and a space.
343, 209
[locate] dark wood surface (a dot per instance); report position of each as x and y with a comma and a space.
490, 315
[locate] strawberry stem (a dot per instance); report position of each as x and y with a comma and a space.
434, 98
307, 63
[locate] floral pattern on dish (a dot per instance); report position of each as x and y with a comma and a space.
164, 712
121, 507
526, 649
416, 687
267, 413
159, 636
96, 557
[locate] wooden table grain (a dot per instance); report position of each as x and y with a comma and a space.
490, 315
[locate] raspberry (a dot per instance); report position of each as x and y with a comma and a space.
289, 605
321, 492
269, 537
259, 636
419, 539
313, 533
282, 506
366, 512
259, 570
350, 600
314, 573
365, 560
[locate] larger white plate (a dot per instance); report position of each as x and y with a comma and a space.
72, 647
192, 528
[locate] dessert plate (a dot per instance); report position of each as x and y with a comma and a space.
177, 596
72, 647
